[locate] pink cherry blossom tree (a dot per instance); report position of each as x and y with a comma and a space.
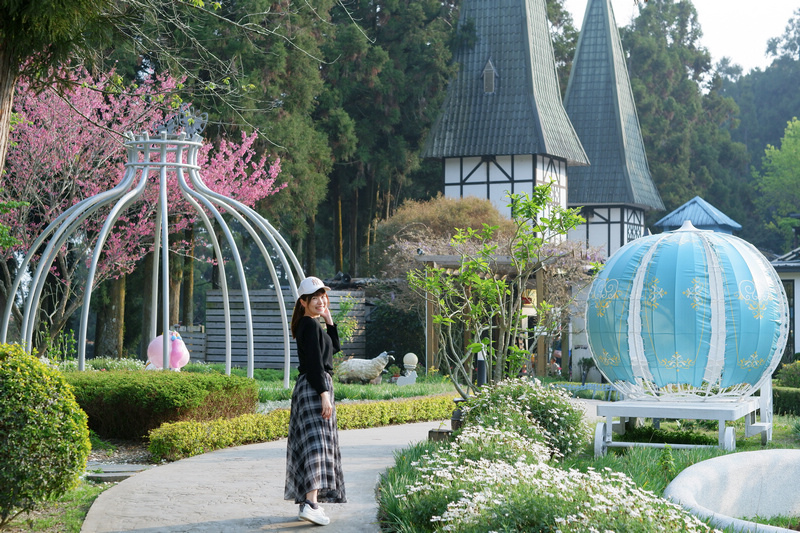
69, 146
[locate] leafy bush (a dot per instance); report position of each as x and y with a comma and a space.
173, 441
786, 400
45, 439
529, 409
126, 405
789, 375
178, 440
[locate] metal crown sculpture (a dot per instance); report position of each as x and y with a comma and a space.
146, 156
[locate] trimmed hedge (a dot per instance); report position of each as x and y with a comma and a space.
179, 440
129, 404
786, 400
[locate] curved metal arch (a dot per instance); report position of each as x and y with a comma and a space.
204, 201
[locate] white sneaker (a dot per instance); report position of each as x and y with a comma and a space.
316, 516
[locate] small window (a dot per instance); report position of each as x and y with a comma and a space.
489, 74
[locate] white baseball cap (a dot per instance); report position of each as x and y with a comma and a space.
310, 285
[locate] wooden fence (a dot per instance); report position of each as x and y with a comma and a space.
267, 327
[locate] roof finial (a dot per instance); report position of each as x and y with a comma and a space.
187, 120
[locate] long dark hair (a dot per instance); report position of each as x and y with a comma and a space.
300, 311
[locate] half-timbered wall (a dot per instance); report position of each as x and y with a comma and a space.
609, 228
494, 177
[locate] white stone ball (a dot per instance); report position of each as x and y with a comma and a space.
410, 360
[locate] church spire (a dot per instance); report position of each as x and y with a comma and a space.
599, 102
523, 113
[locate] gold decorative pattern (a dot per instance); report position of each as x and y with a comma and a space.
695, 292
604, 293
752, 362
677, 362
748, 293
607, 360
653, 293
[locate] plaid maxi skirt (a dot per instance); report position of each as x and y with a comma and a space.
313, 460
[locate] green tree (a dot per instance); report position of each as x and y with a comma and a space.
787, 45
667, 65
36, 35
273, 84
391, 87
779, 185
767, 99
682, 112
481, 298
564, 35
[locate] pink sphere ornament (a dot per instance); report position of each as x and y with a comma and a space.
178, 353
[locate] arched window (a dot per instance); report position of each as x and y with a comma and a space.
489, 74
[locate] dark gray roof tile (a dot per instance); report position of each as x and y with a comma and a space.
525, 114
599, 102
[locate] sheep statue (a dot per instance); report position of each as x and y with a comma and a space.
363, 370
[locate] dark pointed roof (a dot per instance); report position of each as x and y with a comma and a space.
524, 114
599, 102
702, 215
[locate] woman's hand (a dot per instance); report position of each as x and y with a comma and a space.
327, 406
326, 312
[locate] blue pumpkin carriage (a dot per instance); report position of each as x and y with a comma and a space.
688, 324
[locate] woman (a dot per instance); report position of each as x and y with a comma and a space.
313, 462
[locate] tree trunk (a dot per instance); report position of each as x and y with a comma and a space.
311, 246
8, 78
216, 272
175, 281
188, 279
147, 305
111, 322
13, 333
338, 244
354, 235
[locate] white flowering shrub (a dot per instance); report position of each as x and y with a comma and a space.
534, 411
103, 363
514, 487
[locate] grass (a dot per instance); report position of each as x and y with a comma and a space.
63, 515
652, 470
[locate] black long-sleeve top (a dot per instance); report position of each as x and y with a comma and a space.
315, 349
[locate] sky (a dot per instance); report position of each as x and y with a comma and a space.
738, 29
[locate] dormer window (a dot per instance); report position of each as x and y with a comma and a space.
489, 74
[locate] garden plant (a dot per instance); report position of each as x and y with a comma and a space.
482, 298
496, 467
44, 434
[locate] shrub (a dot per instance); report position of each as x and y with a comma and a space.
178, 440
259, 374
482, 480
126, 404
789, 375
786, 400
45, 439
527, 408
173, 441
